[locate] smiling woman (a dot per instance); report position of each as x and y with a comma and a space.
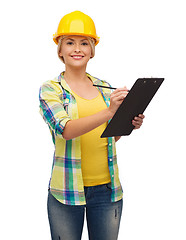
85, 41
85, 171
76, 48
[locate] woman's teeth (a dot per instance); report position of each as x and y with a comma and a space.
77, 57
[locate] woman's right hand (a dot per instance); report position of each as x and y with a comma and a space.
77, 127
116, 98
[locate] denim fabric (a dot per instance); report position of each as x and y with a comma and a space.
103, 216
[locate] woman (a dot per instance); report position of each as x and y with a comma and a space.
85, 172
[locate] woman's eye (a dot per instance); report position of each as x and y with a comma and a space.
69, 43
84, 43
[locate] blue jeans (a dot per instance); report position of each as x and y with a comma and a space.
103, 216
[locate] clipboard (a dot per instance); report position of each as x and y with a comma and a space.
134, 104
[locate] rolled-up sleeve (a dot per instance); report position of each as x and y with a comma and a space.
52, 109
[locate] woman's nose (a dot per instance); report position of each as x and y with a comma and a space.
77, 48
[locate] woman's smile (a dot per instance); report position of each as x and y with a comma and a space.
77, 57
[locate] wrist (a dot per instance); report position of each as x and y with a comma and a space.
110, 113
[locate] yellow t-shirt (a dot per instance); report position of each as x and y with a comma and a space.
94, 155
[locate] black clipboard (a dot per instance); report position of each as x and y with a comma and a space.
135, 103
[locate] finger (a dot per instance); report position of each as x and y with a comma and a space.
135, 126
136, 123
138, 119
122, 89
141, 116
118, 98
119, 91
119, 94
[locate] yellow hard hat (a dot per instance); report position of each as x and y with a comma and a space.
76, 23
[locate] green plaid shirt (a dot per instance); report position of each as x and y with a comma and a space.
57, 106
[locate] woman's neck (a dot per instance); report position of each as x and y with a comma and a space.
74, 75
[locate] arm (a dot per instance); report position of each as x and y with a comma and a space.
78, 127
52, 109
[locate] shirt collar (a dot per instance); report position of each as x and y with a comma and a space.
61, 79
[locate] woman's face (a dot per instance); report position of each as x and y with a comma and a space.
75, 50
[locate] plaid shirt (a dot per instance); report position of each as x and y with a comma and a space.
57, 106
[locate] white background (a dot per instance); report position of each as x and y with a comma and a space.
137, 39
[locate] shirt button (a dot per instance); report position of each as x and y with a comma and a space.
112, 176
110, 159
110, 144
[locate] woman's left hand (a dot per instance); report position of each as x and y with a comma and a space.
137, 121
